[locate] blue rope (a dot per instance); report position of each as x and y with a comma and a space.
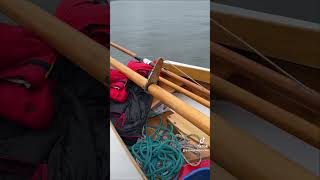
159, 154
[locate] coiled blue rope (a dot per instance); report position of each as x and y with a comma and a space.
159, 154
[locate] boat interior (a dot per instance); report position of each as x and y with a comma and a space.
174, 79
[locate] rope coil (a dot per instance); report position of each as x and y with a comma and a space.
159, 154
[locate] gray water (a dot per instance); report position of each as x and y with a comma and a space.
175, 30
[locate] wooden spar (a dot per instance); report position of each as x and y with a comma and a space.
187, 82
80, 49
191, 114
310, 98
128, 52
247, 158
285, 120
168, 73
185, 92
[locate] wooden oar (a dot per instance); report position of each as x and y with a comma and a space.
168, 73
185, 110
245, 157
185, 92
281, 118
88, 54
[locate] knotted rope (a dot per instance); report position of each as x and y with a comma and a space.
159, 154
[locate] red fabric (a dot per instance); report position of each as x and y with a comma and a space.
186, 169
18, 45
33, 107
118, 91
34, 74
80, 13
141, 68
41, 173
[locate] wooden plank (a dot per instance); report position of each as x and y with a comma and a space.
193, 158
275, 36
187, 128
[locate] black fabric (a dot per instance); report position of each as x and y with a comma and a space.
82, 152
136, 109
76, 146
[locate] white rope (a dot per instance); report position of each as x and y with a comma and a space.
186, 74
189, 147
261, 55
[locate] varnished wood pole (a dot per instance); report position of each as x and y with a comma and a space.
309, 98
283, 119
191, 114
168, 73
185, 92
78, 48
128, 52
247, 158
188, 83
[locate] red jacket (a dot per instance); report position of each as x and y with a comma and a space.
25, 61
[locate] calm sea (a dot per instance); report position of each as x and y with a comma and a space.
175, 30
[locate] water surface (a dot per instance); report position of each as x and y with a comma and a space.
175, 30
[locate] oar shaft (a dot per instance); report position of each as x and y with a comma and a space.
130, 53
188, 112
78, 48
186, 92
187, 82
